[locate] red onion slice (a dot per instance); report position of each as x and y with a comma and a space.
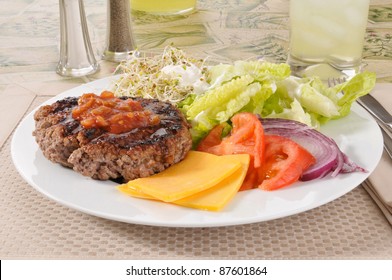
329, 158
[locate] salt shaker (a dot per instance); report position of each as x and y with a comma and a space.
119, 41
76, 54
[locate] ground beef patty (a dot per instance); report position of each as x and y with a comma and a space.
101, 155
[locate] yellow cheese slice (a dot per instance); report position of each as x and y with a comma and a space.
214, 198
197, 172
132, 191
217, 197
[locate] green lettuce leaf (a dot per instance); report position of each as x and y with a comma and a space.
296, 112
259, 70
268, 89
320, 102
220, 104
358, 86
216, 100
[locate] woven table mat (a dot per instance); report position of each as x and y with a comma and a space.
34, 227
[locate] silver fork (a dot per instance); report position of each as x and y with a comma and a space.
382, 117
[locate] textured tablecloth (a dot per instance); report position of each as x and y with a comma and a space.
32, 226
35, 227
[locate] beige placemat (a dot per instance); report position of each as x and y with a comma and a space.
34, 227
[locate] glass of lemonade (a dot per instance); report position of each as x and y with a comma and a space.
327, 37
164, 7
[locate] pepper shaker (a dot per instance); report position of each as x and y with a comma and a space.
76, 54
119, 40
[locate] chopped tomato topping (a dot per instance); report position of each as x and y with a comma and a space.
111, 113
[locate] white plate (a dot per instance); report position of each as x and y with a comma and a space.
357, 135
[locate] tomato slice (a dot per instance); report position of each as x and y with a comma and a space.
246, 137
251, 180
284, 162
276, 161
211, 143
